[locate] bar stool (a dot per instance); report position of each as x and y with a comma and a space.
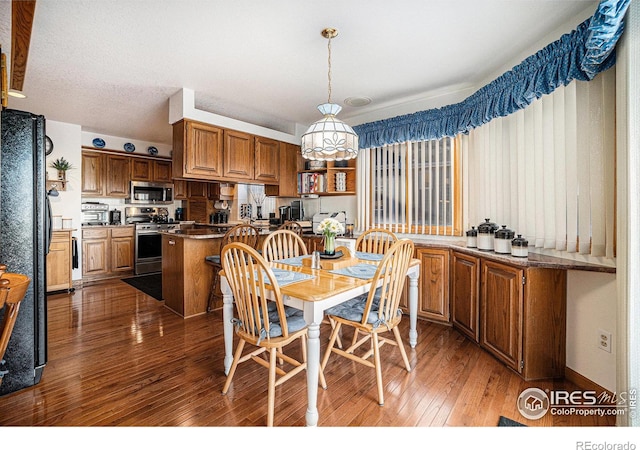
13, 287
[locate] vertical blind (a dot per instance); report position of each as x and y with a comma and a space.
410, 187
548, 171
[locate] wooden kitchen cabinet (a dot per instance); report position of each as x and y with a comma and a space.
205, 152
433, 285
107, 252
197, 150
290, 164
239, 155
105, 175
162, 171
267, 160
465, 294
523, 318
180, 191
501, 312
117, 176
143, 169
59, 261
92, 183
122, 243
186, 277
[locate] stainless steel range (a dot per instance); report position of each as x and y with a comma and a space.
149, 223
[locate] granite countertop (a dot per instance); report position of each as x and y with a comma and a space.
108, 226
200, 233
534, 260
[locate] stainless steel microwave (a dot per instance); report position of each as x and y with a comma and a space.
143, 192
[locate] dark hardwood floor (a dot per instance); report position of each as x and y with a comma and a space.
120, 358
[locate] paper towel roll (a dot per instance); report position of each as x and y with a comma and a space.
221, 205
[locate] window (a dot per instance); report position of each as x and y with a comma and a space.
414, 187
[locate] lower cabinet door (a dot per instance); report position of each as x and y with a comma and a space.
433, 284
122, 254
501, 306
465, 287
95, 258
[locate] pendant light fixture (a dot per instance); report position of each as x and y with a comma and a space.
329, 139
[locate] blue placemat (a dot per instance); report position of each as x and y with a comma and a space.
364, 271
369, 256
295, 261
285, 277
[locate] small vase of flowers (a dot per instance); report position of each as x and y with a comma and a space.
330, 228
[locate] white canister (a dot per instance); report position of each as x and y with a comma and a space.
502, 240
67, 223
472, 238
520, 247
57, 222
486, 231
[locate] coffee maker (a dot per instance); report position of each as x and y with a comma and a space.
115, 217
285, 214
297, 211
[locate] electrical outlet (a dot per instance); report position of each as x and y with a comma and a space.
604, 340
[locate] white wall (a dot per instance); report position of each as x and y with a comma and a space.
591, 307
66, 143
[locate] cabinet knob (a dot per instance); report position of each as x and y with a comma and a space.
172, 242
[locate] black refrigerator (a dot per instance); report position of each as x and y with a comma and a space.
25, 234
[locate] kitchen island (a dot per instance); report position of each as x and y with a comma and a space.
186, 277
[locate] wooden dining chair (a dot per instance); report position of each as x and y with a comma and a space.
282, 244
375, 240
267, 325
245, 233
375, 313
292, 226
13, 287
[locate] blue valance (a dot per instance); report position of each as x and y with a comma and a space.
581, 54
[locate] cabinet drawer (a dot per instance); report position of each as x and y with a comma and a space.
122, 232
101, 233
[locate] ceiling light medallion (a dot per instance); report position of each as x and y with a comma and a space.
329, 139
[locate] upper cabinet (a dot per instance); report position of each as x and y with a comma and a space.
197, 150
267, 158
105, 175
290, 162
205, 152
150, 170
238, 155
110, 174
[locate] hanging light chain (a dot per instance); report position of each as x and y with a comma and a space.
329, 71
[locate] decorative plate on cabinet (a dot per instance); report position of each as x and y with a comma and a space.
98, 143
152, 151
129, 147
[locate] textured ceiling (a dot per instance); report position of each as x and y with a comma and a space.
111, 65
